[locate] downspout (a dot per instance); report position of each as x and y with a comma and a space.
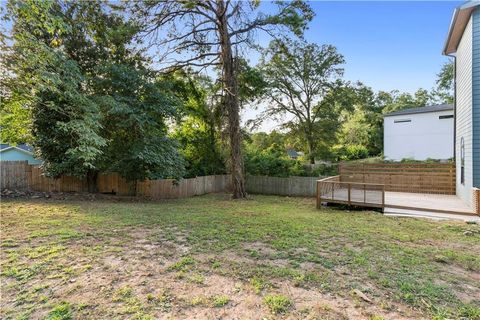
454, 106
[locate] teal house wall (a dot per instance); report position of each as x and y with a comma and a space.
14, 154
476, 96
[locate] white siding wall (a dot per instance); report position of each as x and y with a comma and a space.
426, 136
464, 112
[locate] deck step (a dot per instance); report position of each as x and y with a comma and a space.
429, 215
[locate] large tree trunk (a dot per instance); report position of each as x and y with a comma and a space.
311, 153
92, 177
232, 104
311, 146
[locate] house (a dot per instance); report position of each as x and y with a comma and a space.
463, 44
19, 152
419, 133
292, 154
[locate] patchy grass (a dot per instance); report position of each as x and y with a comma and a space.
278, 303
210, 257
220, 301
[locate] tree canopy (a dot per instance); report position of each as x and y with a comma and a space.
94, 104
303, 81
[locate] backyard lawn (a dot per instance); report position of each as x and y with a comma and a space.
214, 258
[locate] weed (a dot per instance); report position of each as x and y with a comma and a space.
62, 311
278, 304
196, 278
257, 284
182, 264
122, 294
220, 301
199, 301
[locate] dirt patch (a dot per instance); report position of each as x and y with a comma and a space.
260, 247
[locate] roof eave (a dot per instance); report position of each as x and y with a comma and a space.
460, 18
394, 114
17, 148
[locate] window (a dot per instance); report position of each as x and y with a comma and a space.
450, 116
462, 160
402, 120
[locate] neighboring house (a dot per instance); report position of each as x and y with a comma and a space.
419, 133
293, 154
19, 152
463, 43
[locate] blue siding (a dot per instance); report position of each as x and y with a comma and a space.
17, 155
476, 96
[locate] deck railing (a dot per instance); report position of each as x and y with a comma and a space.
434, 178
351, 193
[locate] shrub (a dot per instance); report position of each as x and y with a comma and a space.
350, 152
274, 165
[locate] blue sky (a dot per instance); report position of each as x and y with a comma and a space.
387, 45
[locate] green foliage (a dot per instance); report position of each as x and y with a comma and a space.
446, 83
65, 119
220, 301
62, 311
278, 304
197, 132
15, 121
92, 103
137, 106
270, 163
266, 155
351, 152
303, 82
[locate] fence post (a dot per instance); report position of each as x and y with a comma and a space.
349, 193
383, 198
319, 203
364, 194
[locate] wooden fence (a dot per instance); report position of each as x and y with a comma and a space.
435, 178
291, 186
15, 174
22, 176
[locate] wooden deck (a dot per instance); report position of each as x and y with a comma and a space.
427, 202
401, 200
401, 186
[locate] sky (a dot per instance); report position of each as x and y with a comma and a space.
387, 45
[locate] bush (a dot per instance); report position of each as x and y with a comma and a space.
350, 152
274, 165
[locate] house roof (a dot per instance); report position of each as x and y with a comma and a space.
434, 108
22, 147
292, 153
460, 18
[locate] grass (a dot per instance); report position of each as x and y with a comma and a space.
261, 257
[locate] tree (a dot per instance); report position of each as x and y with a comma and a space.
446, 83
395, 101
65, 123
95, 106
211, 33
199, 129
363, 121
304, 80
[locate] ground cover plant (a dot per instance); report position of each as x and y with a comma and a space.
210, 257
